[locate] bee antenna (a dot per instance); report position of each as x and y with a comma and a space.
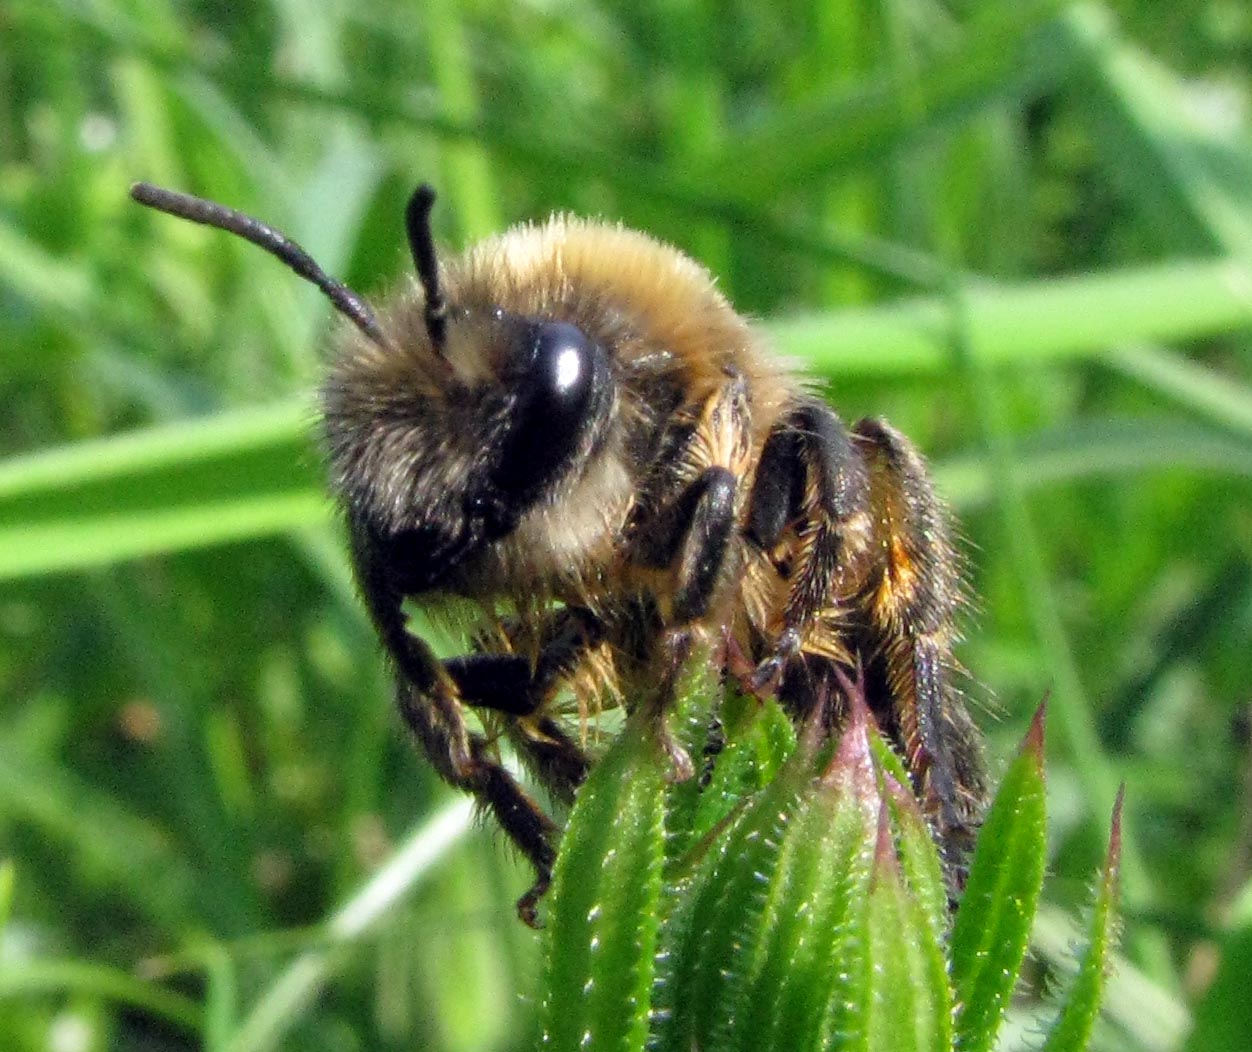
422, 244
210, 213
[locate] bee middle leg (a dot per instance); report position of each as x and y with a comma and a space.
692, 537
810, 480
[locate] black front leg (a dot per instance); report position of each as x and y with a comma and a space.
694, 532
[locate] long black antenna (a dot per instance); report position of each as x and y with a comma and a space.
210, 213
422, 245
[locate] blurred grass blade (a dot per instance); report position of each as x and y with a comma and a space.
1153, 1017
1090, 451
1052, 319
221, 997
992, 928
239, 474
1190, 178
999, 57
119, 853
33, 978
1221, 399
603, 911
282, 1004
8, 880
1224, 1016
158, 455
1072, 1029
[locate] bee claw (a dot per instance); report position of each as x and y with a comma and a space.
528, 904
733, 660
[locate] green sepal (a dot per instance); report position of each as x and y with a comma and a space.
604, 911
915, 840
992, 928
727, 900
807, 956
1072, 1029
910, 1002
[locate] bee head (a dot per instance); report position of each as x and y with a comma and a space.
464, 417
456, 413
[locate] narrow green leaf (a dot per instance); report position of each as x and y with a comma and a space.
604, 906
8, 881
992, 928
1072, 1029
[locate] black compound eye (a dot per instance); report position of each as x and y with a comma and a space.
557, 393
562, 373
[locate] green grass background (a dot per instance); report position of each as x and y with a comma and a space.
1023, 232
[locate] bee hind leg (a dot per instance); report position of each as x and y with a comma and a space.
910, 607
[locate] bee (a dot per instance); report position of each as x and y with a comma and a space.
569, 437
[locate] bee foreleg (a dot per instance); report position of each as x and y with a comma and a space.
430, 704
510, 683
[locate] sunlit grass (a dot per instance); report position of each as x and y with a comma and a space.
1022, 232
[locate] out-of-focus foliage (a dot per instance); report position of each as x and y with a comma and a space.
1021, 231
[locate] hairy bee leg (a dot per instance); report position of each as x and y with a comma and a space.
912, 603
810, 475
508, 683
465, 761
698, 549
556, 760
428, 701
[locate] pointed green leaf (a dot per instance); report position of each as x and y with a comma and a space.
992, 928
727, 902
1072, 1029
919, 856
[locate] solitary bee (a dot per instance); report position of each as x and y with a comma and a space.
568, 436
